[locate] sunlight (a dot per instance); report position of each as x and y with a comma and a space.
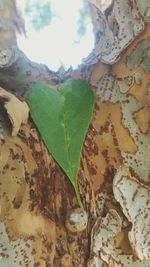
65, 40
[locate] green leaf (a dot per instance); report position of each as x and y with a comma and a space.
63, 118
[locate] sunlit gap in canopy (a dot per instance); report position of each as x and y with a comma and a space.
58, 32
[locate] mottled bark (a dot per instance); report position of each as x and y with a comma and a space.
35, 195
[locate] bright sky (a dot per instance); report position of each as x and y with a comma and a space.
57, 43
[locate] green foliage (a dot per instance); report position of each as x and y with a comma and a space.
63, 118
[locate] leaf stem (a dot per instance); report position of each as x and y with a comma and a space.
78, 196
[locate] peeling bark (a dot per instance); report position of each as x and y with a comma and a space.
35, 195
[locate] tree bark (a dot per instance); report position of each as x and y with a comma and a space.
36, 198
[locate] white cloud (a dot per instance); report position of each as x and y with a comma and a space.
55, 45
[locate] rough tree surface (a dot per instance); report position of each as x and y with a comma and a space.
36, 198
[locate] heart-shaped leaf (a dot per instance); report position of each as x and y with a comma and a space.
63, 118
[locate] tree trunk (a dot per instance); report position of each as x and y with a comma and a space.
36, 198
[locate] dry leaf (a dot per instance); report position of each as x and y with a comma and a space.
134, 198
17, 111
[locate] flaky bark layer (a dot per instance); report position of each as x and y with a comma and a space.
35, 195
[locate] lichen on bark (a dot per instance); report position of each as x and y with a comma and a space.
35, 195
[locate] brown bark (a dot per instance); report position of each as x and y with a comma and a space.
36, 196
